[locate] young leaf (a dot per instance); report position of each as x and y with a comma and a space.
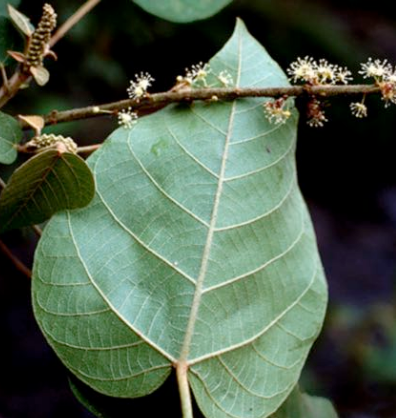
10, 135
198, 254
21, 22
40, 74
302, 405
182, 11
46, 183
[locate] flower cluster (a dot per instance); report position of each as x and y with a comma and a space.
385, 78
358, 110
138, 87
127, 118
277, 111
319, 72
38, 46
45, 141
315, 113
196, 76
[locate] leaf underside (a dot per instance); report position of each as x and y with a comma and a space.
10, 135
197, 245
182, 11
46, 183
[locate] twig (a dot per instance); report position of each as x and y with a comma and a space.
10, 89
37, 230
15, 260
4, 76
88, 149
153, 102
73, 20
2, 184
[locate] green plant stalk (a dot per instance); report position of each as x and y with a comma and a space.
184, 389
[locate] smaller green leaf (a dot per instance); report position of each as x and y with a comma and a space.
10, 135
48, 182
21, 21
182, 11
302, 405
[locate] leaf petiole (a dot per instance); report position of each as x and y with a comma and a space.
184, 389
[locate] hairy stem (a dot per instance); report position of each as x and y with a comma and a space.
184, 389
15, 260
73, 20
156, 101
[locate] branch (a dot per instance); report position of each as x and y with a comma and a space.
10, 89
73, 20
15, 260
156, 101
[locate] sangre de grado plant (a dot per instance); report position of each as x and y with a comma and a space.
183, 244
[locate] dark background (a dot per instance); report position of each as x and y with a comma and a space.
346, 172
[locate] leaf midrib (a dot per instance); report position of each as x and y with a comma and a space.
185, 350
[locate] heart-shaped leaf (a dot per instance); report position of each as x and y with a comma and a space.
10, 135
182, 11
46, 183
197, 253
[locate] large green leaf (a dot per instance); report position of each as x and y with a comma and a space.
10, 135
196, 251
182, 11
46, 183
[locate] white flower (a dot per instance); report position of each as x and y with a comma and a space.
303, 69
377, 69
343, 75
127, 118
198, 72
317, 121
138, 87
325, 72
276, 111
225, 78
358, 110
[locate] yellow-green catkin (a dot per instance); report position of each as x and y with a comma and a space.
38, 43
